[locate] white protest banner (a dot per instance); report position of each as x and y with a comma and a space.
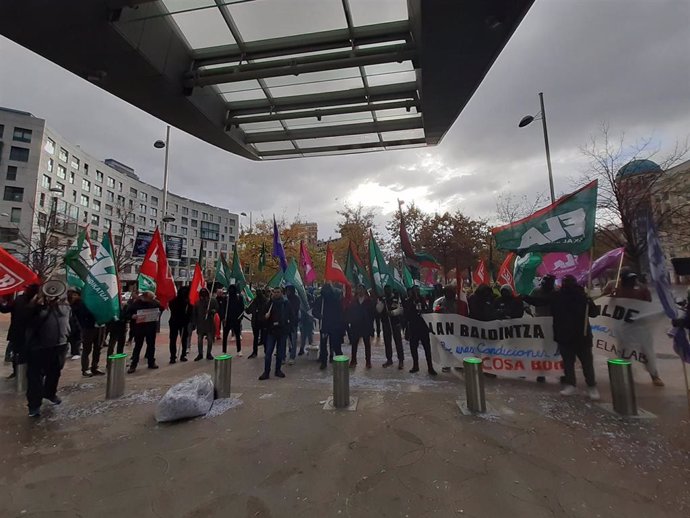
625, 329
510, 348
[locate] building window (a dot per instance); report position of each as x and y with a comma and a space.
15, 215
99, 176
141, 220
86, 169
49, 146
119, 186
110, 196
195, 223
2, 129
21, 135
19, 154
133, 192
45, 181
97, 190
173, 229
153, 211
204, 216
154, 201
74, 196
85, 185
50, 165
61, 187
63, 155
142, 208
218, 218
195, 213
143, 196
195, 232
11, 172
42, 200
185, 210
185, 221
75, 163
95, 220
131, 205
152, 223
8, 234
210, 231
184, 231
71, 177
84, 201
14, 193
111, 182
109, 210
120, 201
96, 205
61, 172
94, 234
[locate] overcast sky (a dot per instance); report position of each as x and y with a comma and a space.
626, 62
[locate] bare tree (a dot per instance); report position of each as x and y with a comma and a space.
510, 208
624, 202
123, 237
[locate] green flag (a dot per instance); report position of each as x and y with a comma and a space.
248, 295
101, 291
524, 272
236, 272
395, 281
564, 226
293, 277
262, 258
276, 281
408, 281
78, 261
354, 271
380, 273
222, 273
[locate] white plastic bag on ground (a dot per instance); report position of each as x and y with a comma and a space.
189, 398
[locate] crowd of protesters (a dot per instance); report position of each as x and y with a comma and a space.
44, 330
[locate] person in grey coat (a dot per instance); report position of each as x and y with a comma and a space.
46, 343
203, 314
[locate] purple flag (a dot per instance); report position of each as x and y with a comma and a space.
560, 264
662, 282
608, 260
278, 250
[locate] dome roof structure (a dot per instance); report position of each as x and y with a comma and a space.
637, 167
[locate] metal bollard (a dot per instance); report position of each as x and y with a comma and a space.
115, 384
622, 386
474, 385
341, 381
222, 376
21, 379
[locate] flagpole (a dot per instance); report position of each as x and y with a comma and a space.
618, 274
685, 376
589, 288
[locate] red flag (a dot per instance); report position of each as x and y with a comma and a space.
505, 273
198, 282
481, 274
307, 265
155, 269
334, 272
14, 276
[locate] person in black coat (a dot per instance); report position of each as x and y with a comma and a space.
415, 306
508, 305
257, 309
360, 316
231, 312
20, 317
389, 307
481, 304
144, 328
571, 309
92, 337
180, 316
278, 322
332, 322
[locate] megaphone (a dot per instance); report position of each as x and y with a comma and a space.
53, 288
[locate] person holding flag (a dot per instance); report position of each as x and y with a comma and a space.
390, 308
180, 317
414, 307
278, 322
144, 314
232, 311
360, 315
203, 316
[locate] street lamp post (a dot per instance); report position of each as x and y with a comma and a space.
250, 219
528, 119
159, 144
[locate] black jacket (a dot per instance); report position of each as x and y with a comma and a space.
180, 311
232, 313
84, 316
569, 308
142, 328
360, 316
257, 309
414, 309
49, 325
278, 321
508, 307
